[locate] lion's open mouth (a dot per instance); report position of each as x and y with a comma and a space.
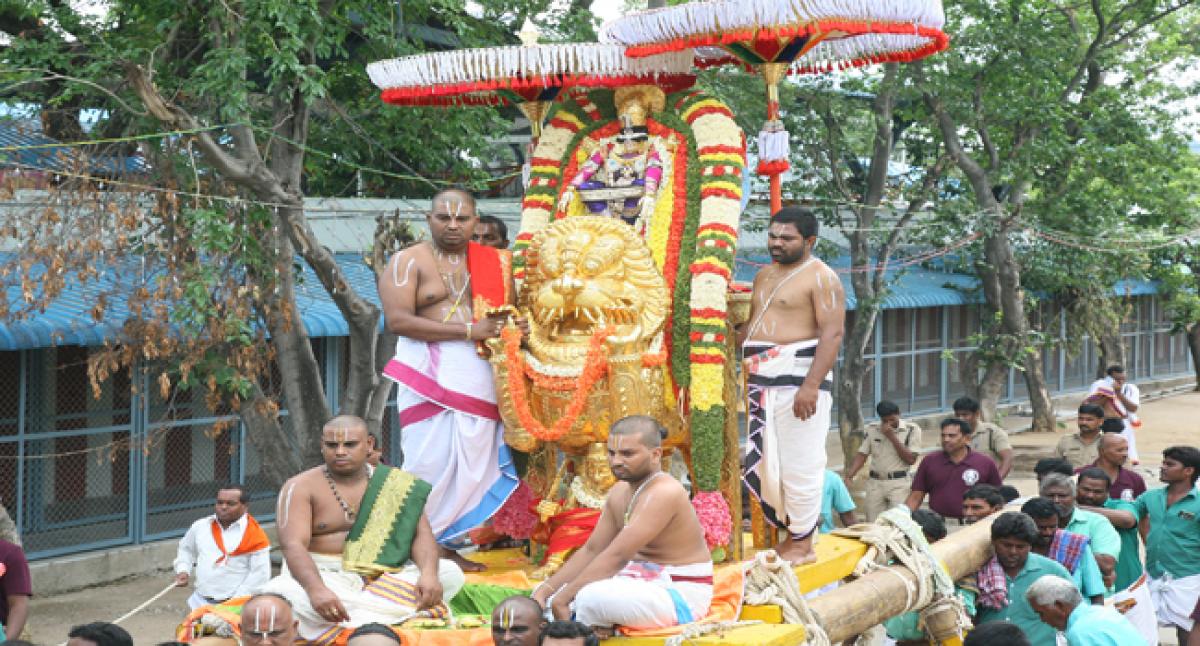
573, 321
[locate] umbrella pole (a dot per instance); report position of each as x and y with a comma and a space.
535, 111
773, 140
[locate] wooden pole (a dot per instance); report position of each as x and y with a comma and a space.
854, 607
776, 193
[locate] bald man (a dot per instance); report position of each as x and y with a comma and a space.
357, 544
646, 564
517, 621
1124, 484
267, 619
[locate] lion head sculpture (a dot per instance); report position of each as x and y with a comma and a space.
587, 272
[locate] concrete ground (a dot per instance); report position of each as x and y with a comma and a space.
1168, 421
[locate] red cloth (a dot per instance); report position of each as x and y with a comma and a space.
491, 277
570, 529
253, 539
992, 584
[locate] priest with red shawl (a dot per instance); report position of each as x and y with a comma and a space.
443, 297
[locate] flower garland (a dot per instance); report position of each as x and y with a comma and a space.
515, 518
713, 513
721, 149
594, 368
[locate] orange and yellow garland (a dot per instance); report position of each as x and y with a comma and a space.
595, 366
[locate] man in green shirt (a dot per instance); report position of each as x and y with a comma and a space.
1173, 544
1131, 593
1105, 542
1092, 495
1004, 579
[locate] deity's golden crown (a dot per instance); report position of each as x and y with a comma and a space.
636, 102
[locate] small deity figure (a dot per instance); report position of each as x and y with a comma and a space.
565, 526
622, 176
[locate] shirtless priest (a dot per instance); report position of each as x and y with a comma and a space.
790, 344
357, 544
646, 564
441, 297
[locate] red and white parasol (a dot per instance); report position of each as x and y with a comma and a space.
779, 37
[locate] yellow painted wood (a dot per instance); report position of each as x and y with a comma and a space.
836, 558
766, 614
760, 635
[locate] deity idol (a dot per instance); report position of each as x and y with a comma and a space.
622, 176
565, 524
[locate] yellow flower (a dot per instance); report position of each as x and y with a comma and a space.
708, 385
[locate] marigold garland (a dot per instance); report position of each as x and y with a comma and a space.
594, 368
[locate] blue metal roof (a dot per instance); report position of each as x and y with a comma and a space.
30, 149
913, 287
68, 320
910, 288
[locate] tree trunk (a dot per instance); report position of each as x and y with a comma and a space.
850, 377
999, 272
1044, 419
1007, 297
1193, 339
385, 349
277, 455
986, 389
1112, 352
300, 373
868, 285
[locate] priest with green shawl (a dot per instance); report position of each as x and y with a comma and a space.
357, 544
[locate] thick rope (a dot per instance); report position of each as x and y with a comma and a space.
692, 631
771, 580
894, 537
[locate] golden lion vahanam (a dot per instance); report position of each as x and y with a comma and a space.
596, 304
586, 274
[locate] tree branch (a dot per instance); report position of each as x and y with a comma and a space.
252, 175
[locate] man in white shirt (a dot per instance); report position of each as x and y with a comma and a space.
229, 549
1122, 400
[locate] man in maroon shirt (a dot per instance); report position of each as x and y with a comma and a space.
1124, 484
14, 603
947, 475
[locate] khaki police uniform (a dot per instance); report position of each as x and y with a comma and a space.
1073, 449
990, 440
889, 481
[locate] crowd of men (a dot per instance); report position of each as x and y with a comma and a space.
367, 546
1077, 544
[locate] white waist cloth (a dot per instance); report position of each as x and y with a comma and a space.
1175, 599
647, 595
389, 599
785, 461
1137, 606
451, 433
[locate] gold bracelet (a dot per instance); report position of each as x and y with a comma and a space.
470, 325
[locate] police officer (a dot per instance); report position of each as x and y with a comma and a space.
893, 446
